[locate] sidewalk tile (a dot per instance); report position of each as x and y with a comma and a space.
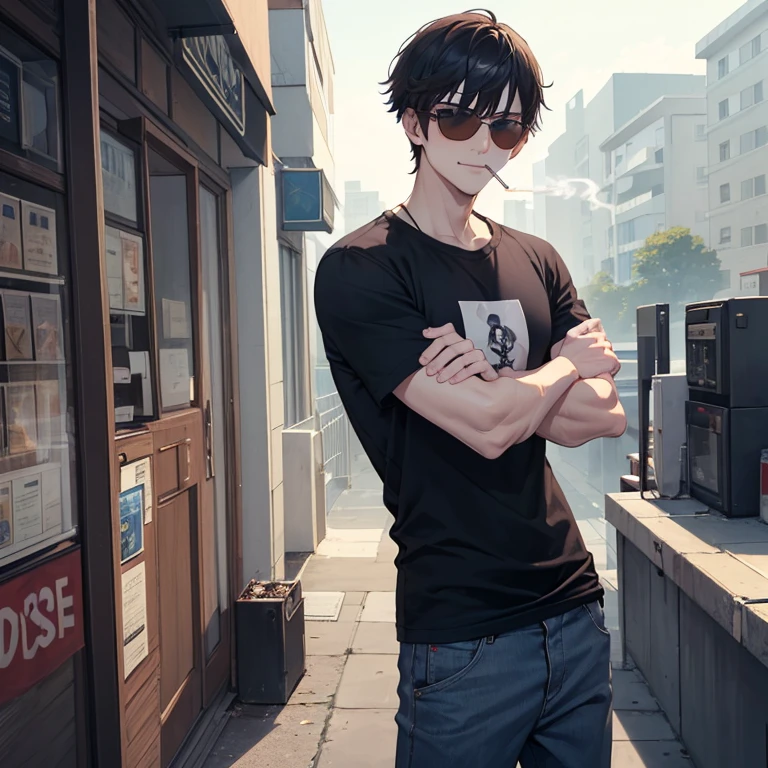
329, 638
649, 754
379, 606
346, 573
320, 681
337, 548
354, 598
641, 726
360, 737
369, 682
632, 695
375, 637
354, 534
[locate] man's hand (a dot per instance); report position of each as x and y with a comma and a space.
588, 348
454, 358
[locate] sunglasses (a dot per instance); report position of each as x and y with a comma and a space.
458, 124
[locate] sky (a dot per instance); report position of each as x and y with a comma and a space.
578, 46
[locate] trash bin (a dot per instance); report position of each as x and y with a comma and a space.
269, 626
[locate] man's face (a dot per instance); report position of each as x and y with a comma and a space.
462, 162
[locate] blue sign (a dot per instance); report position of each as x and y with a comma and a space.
131, 523
209, 58
308, 203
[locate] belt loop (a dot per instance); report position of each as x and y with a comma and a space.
601, 600
491, 639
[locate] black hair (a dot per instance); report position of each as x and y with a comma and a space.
472, 48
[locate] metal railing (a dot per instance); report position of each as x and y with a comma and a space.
337, 461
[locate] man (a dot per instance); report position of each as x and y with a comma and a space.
504, 653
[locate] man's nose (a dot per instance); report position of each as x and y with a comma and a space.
483, 137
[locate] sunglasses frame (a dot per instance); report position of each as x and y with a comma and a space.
433, 115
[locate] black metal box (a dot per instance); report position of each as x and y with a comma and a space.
271, 655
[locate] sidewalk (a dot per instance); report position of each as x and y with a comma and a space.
342, 713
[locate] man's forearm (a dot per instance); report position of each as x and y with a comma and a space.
588, 410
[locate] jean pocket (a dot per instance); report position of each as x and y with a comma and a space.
595, 613
443, 664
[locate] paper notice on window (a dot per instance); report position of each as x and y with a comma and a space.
46, 319
6, 516
39, 238
27, 508
175, 322
139, 473
133, 273
17, 320
114, 264
174, 377
10, 233
52, 500
135, 645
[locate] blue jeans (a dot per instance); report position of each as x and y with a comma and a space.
540, 695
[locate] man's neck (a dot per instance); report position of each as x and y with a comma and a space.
443, 211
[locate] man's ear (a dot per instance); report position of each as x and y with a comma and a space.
412, 127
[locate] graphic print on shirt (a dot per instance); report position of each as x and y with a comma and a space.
500, 330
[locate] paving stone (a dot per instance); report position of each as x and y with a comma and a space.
328, 638
641, 726
649, 754
354, 534
589, 533
630, 692
322, 606
347, 573
273, 739
369, 682
375, 637
359, 737
354, 598
320, 681
350, 613
337, 548
379, 606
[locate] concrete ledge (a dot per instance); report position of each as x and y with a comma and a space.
718, 562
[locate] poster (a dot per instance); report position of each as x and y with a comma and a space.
114, 263
27, 508
133, 273
175, 322
135, 645
131, 523
39, 238
18, 326
500, 329
46, 323
139, 473
21, 419
118, 173
49, 416
175, 381
10, 233
51, 501
10, 101
6, 516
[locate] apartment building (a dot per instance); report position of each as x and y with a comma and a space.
736, 52
654, 167
360, 206
518, 214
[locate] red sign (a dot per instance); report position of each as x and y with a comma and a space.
41, 623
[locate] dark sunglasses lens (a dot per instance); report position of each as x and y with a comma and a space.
459, 125
506, 135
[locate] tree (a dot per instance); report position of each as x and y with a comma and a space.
675, 267
610, 302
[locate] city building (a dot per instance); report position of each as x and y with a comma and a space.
574, 218
654, 178
736, 52
518, 214
360, 206
137, 194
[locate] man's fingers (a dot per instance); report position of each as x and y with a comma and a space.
441, 331
453, 351
438, 345
482, 367
588, 326
451, 368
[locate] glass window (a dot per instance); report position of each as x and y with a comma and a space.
747, 189
725, 235
169, 219
701, 173
294, 365
756, 48
747, 97
760, 184
722, 67
37, 478
747, 142
761, 234
701, 131
746, 237
758, 92
118, 175
722, 109
725, 151
725, 193
761, 136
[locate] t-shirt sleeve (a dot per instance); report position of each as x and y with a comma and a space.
568, 310
368, 319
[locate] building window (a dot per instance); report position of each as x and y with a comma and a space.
722, 109
722, 68
747, 142
761, 136
725, 235
626, 232
701, 173
607, 164
659, 157
760, 185
752, 95
761, 234
747, 189
701, 132
293, 315
746, 237
749, 50
725, 151
725, 193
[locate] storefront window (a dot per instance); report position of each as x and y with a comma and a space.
169, 218
124, 257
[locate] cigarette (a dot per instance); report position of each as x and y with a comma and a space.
497, 177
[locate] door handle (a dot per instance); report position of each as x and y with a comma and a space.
186, 443
210, 470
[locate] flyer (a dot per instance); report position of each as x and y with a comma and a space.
175, 323
175, 381
18, 326
10, 232
27, 508
21, 419
133, 277
114, 263
46, 321
6, 516
51, 500
131, 523
135, 645
39, 238
139, 473
49, 417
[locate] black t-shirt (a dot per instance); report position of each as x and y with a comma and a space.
485, 546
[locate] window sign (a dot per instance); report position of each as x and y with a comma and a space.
10, 87
118, 173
